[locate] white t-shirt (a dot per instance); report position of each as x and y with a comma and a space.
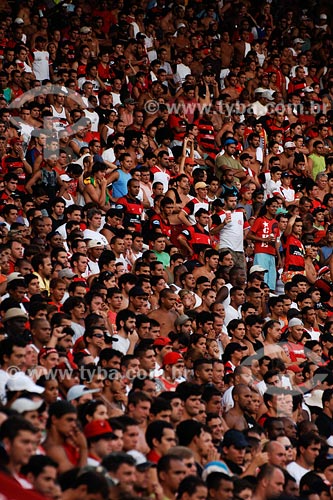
258, 109
181, 72
108, 155
287, 193
231, 313
78, 331
297, 471
272, 187
232, 235
88, 234
122, 344
40, 64
94, 118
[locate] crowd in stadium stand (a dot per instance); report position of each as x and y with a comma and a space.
166, 250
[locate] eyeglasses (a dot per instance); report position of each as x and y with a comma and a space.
98, 335
288, 447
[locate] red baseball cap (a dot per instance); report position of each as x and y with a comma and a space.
15, 140
190, 161
295, 368
171, 358
162, 341
100, 428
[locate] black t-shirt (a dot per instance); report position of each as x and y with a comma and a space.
325, 425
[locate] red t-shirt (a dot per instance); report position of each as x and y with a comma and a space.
263, 228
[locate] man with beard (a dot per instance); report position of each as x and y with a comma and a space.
42, 267
236, 417
126, 334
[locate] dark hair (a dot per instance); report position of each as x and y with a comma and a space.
189, 485
11, 427
155, 430
187, 430
37, 464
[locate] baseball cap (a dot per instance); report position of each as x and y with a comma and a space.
202, 279
289, 145
66, 273
13, 313
65, 178
233, 347
14, 276
15, 140
137, 291
162, 341
200, 185
215, 466
308, 89
259, 90
171, 358
286, 174
181, 320
322, 16
129, 100
299, 40
85, 30
323, 270
190, 161
19, 20
229, 141
244, 189
295, 322
45, 351
21, 382
267, 95
77, 391
181, 25
236, 438
98, 428
315, 399
295, 369
320, 305
21, 405
258, 269
141, 462
95, 244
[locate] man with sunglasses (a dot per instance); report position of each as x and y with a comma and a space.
94, 339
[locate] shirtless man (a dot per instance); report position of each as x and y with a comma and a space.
64, 442
235, 417
287, 157
166, 314
252, 150
272, 332
180, 197
211, 260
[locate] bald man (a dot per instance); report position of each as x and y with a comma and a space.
237, 417
276, 454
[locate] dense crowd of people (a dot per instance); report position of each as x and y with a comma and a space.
166, 240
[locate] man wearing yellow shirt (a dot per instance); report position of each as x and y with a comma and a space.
42, 267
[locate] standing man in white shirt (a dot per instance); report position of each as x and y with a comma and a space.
230, 226
40, 63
